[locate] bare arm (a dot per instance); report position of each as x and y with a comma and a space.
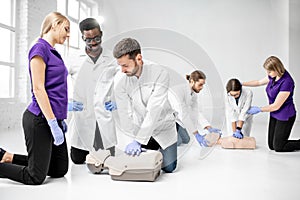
256, 83
280, 99
234, 125
240, 123
38, 67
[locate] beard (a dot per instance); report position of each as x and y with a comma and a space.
195, 90
134, 71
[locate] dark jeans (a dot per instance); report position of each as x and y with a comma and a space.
78, 156
169, 154
44, 158
182, 135
279, 133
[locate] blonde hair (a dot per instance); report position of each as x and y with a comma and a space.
55, 18
50, 19
274, 64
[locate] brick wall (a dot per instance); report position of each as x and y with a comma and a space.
30, 14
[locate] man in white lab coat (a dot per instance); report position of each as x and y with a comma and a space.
93, 126
238, 101
143, 106
190, 121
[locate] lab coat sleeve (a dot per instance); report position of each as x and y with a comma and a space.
73, 64
246, 105
154, 108
187, 121
197, 116
191, 115
202, 120
124, 108
229, 109
191, 120
103, 93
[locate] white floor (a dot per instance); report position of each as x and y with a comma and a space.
224, 174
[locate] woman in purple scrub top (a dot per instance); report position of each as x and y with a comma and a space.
280, 91
43, 120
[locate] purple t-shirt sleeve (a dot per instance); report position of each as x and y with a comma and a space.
286, 86
38, 49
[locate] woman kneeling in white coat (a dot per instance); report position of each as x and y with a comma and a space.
238, 101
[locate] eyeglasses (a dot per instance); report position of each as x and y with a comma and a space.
89, 40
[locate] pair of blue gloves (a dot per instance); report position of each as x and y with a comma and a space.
78, 106
252, 111
201, 138
57, 132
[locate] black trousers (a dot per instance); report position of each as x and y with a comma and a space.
44, 158
279, 133
78, 156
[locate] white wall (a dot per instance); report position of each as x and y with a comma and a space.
237, 35
225, 39
294, 47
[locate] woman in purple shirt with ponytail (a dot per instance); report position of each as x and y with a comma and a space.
280, 91
43, 120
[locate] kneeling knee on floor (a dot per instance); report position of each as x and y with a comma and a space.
78, 161
37, 180
170, 168
58, 174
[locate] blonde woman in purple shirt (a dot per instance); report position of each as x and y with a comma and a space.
280, 91
43, 120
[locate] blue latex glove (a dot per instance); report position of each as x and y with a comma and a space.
214, 130
133, 148
201, 140
238, 134
110, 105
56, 132
64, 126
75, 106
254, 110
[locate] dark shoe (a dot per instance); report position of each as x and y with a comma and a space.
2, 152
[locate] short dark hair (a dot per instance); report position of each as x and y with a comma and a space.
89, 24
233, 85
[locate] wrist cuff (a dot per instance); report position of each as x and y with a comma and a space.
238, 128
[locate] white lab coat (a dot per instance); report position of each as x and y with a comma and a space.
239, 112
93, 87
186, 105
143, 106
